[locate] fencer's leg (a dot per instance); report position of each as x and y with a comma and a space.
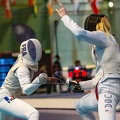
4, 116
107, 106
19, 108
34, 115
109, 94
87, 104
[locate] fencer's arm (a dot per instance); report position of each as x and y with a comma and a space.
27, 86
86, 85
97, 37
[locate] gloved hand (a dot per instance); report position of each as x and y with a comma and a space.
43, 78
73, 85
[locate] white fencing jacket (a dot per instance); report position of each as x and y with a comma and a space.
105, 52
20, 80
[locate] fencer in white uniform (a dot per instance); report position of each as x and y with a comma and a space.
106, 56
20, 80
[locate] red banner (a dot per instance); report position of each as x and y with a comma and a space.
6, 5
31, 2
94, 5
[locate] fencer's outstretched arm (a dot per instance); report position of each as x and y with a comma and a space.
27, 86
62, 11
87, 85
97, 37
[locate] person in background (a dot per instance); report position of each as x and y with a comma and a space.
57, 72
20, 80
106, 56
88, 76
78, 63
57, 62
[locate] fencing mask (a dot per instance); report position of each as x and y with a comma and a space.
31, 51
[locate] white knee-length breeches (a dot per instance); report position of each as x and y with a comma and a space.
109, 96
86, 105
18, 108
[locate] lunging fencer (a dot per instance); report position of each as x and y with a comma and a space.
20, 80
106, 56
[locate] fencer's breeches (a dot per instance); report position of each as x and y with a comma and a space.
10, 106
109, 96
87, 104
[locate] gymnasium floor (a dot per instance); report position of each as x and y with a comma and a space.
57, 106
